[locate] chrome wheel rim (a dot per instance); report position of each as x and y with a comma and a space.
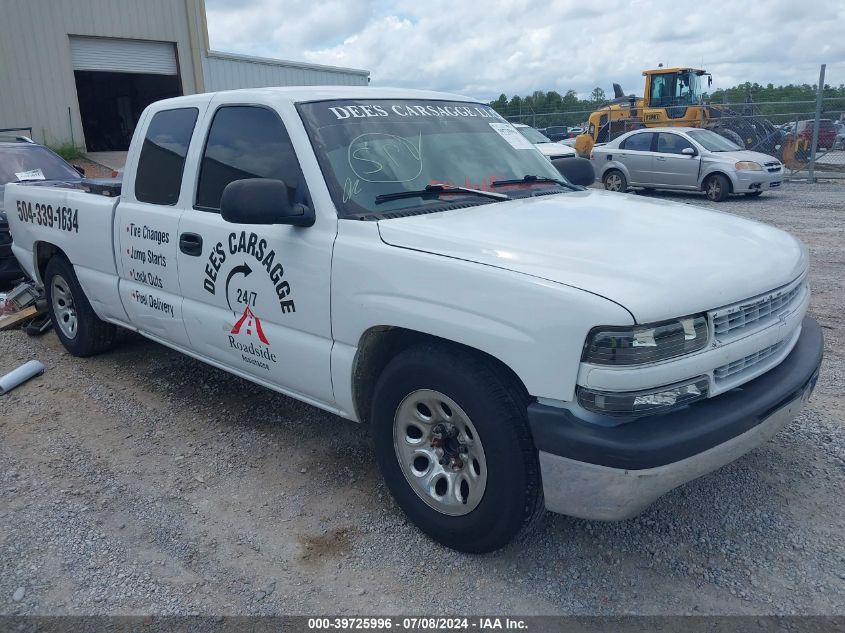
613, 182
64, 310
440, 452
714, 189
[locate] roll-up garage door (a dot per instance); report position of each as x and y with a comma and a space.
123, 56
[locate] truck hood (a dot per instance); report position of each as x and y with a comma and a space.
658, 259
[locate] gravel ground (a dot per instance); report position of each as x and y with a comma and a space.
142, 481
92, 169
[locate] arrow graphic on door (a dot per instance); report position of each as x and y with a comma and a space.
243, 268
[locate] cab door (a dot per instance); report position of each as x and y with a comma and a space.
256, 297
635, 153
147, 224
673, 168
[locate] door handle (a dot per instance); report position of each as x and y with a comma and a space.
661, 158
190, 244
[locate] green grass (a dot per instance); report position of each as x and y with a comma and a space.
67, 151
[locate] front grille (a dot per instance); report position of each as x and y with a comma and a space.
720, 374
753, 313
773, 167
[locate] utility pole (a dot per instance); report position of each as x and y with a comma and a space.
815, 142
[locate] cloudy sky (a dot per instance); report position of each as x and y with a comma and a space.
485, 47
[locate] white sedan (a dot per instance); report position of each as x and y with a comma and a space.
549, 148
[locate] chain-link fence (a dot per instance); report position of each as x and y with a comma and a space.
779, 121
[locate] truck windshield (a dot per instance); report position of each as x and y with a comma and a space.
367, 149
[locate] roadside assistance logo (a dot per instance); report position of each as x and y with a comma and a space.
242, 338
250, 322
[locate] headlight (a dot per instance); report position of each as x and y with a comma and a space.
638, 344
748, 165
642, 403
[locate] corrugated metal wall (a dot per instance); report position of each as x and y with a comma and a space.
228, 72
37, 86
36, 77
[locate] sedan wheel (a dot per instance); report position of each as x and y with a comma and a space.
615, 181
716, 188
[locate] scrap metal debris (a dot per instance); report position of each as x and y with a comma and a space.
24, 306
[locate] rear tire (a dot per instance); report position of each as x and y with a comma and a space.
717, 187
453, 444
733, 136
76, 324
614, 180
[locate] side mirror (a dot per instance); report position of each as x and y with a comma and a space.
688, 151
578, 171
80, 170
262, 201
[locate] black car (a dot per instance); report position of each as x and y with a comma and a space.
22, 160
556, 132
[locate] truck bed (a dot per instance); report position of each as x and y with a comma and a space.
78, 223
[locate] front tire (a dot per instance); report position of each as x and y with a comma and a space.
76, 324
717, 187
614, 180
453, 444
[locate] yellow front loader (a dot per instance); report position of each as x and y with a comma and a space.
674, 97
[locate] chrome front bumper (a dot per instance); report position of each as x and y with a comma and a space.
597, 492
613, 473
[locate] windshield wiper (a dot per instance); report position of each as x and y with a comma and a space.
437, 190
531, 179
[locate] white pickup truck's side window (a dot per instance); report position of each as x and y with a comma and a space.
256, 296
159, 174
246, 142
147, 228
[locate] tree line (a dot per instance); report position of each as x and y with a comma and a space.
542, 109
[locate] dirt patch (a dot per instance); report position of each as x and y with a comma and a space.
323, 548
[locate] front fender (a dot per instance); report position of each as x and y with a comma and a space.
717, 168
534, 326
607, 165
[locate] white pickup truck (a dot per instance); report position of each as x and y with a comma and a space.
407, 259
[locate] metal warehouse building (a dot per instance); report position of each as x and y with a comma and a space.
82, 71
